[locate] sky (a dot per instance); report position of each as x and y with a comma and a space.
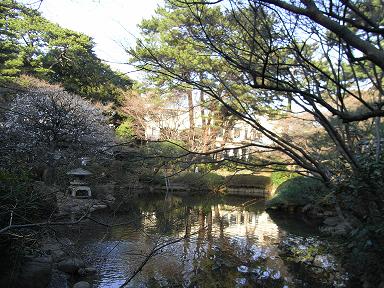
111, 23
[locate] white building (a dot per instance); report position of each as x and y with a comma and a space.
176, 120
170, 123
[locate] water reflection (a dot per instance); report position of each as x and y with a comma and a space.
223, 243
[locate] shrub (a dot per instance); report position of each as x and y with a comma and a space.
279, 177
248, 181
213, 181
27, 199
164, 149
197, 181
149, 178
125, 131
22, 202
298, 191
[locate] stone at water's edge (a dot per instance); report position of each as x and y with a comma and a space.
82, 284
54, 250
335, 226
70, 265
324, 261
332, 221
86, 271
341, 229
69, 205
247, 191
90, 270
58, 280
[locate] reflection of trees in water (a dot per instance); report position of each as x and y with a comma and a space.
255, 259
226, 263
219, 244
209, 229
299, 225
213, 250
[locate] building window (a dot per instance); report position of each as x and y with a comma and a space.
236, 153
244, 154
236, 133
255, 135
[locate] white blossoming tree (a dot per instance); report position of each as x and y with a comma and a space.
52, 127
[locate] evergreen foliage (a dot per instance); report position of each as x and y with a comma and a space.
279, 177
35, 46
125, 130
299, 191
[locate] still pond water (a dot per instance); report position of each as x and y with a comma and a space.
231, 242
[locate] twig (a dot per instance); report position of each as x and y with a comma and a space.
40, 224
49, 223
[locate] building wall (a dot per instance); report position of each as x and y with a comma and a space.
178, 121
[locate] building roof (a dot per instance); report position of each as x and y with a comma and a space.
79, 172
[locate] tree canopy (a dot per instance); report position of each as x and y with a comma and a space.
35, 46
314, 67
252, 58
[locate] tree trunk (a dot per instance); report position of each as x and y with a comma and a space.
191, 116
289, 104
204, 122
202, 112
378, 138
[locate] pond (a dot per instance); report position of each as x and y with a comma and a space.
205, 242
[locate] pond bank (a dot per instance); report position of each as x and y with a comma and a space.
309, 197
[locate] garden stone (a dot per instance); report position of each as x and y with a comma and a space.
58, 280
70, 265
86, 271
332, 221
82, 284
81, 272
90, 270
328, 213
54, 250
110, 199
341, 229
307, 208
322, 261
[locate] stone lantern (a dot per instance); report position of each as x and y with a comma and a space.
78, 187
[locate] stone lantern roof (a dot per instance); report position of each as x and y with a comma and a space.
79, 172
